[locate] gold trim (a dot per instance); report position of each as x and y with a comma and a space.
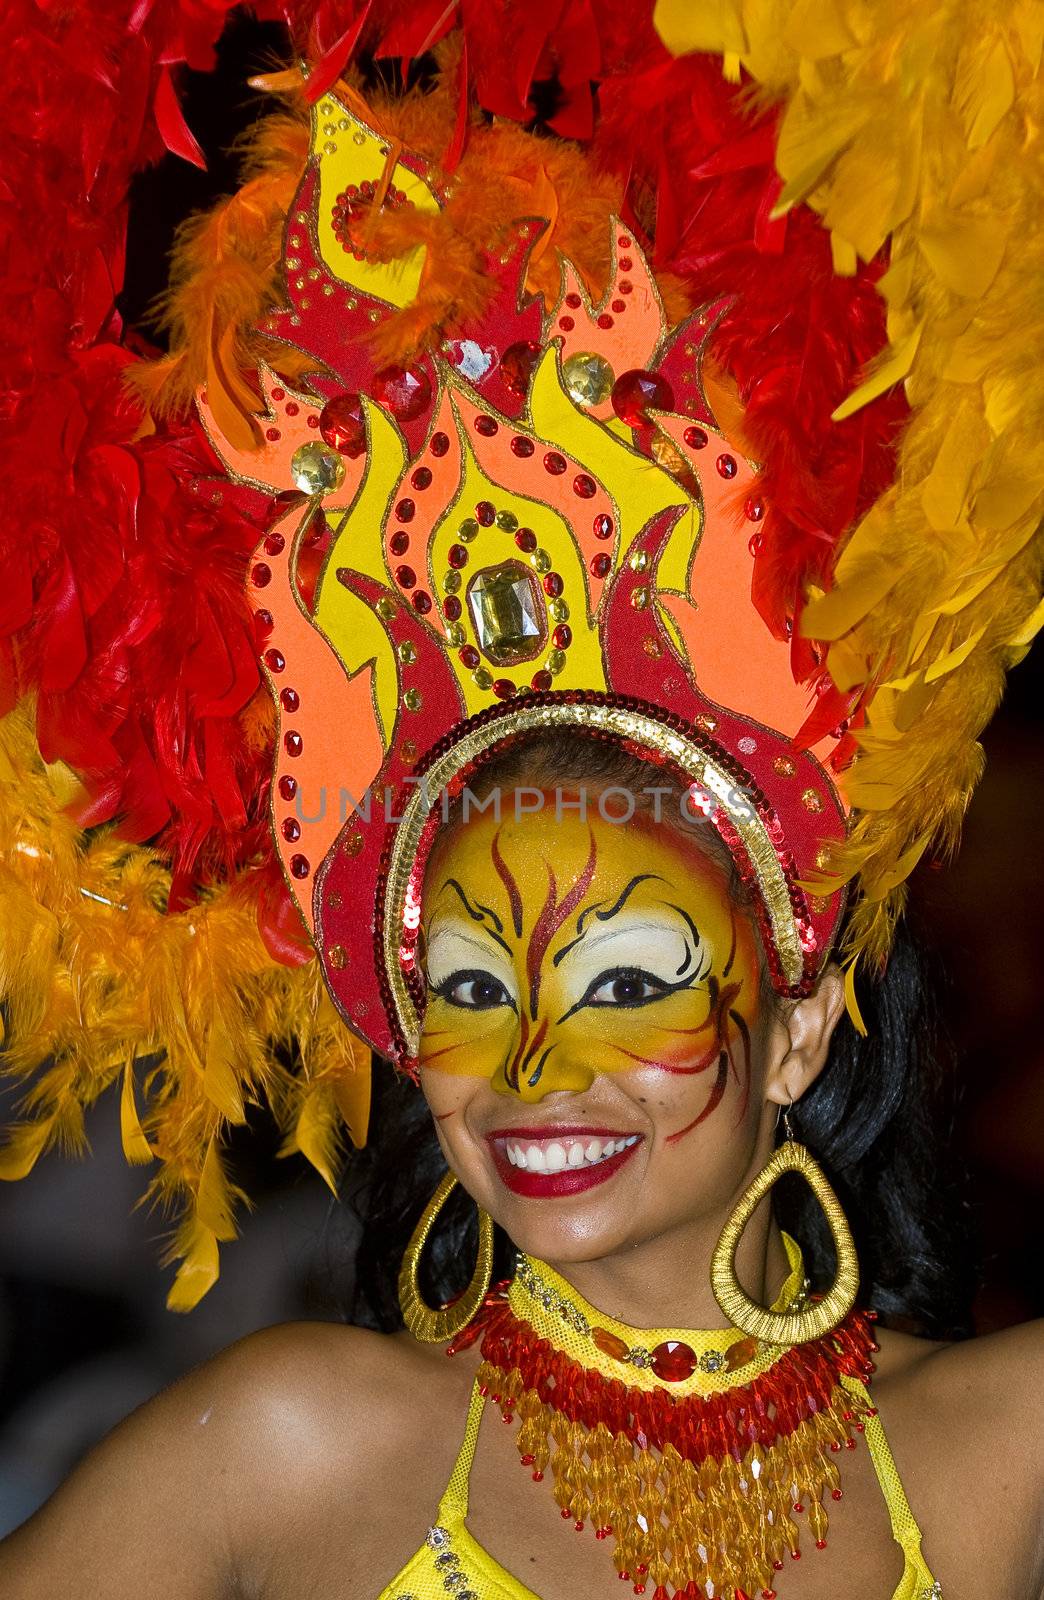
436, 1327
614, 720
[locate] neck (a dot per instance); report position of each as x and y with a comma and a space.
665, 1282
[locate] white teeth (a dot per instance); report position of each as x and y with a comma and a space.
520, 1157
560, 1155
593, 1150
576, 1155
555, 1157
608, 1148
535, 1159
512, 1155
621, 1144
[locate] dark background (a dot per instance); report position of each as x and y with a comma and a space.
84, 1334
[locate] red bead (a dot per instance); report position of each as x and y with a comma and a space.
439, 444
603, 527
405, 391
636, 393
457, 556
619, 305
503, 688
837, 1494
517, 364
553, 584
579, 1527
342, 424
625, 287
562, 636
422, 602
274, 544
292, 408
405, 577
275, 661
291, 829
673, 1361
405, 511
263, 621
421, 479
261, 574
574, 301
526, 539
287, 787
605, 320
470, 657
542, 681
820, 1544
451, 607
521, 446
726, 466
485, 513
273, 434
600, 564
566, 324
487, 426
293, 744
795, 1555
554, 463
584, 486
399, 543
299, 866
754, 509
289, 699
625, 263
696, 438
278, 394
566, 1513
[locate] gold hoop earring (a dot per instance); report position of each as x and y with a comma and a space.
437, 1327
786, 1327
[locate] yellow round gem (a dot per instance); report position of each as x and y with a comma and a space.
540, 560
639, 562
559, 610
412, 700
640, 599
455, 635
481, 678
588, 378
468, 530
556, 661
666, 453
316, 469
507, 520
451, 582
407, 652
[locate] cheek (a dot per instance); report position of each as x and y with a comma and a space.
458, 1042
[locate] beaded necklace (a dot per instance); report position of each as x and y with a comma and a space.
690, 1454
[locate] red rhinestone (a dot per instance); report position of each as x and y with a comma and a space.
405, 511
625, 263
574, 301
600, 564
695, 438
521, 446
399, 543
562, 636
526, 539
263, 621
619, 305
421, 478
292, 408
458, 556
405, 577
278, 394
517, 364
291, 830
673, 1361
274, 544
261, 574
837, 1494
275, 661
289, 699
299, 866
439, 444
422, 602
542, 680
603, 527
451, 607
313, 422
820, 1544
273, 434
342, 425
470, 657
584, 486
553, 584
503, 688
625, 287
293, 744
636, 393
485, 513
726, 465
605, 320
287, 787
487, 426
405, 391
795, 1555
754, 509
566, 324
554, 463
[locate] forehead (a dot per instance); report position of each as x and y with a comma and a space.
521, 854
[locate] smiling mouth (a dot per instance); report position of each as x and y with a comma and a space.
557, 1161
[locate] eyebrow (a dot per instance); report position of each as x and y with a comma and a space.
603, 916
484, 915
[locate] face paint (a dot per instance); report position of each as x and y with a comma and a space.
560, 947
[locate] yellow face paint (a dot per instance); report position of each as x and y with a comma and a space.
558, 947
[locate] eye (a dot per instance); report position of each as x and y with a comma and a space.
477, 990
626, 986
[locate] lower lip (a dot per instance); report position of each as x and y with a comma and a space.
550, 1185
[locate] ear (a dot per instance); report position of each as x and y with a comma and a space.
799, 1038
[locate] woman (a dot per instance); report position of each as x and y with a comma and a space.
626, 753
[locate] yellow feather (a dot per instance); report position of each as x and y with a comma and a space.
136, 1147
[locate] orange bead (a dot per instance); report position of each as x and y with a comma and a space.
608, 1343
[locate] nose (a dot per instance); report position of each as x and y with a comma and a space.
540, 1064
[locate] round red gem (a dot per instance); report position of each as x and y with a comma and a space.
293, 744
289, 699
521, 446
274, 543
405, 391
636, 393
574, 301
261, 574
313, 422
275, 661
726, 465
457, 556
273, 434
399, 543
485, 513
405, 577
584, 486
695, 438
439, 444
299, 866
342, 425
451, 607
625, 263
487, 426
625, 286
600, 564
563, 636
503, 688
566, 324
470, 657
422, 602
263, 621
542, 681
287, 787
673, 1361
554, 463
291, 829
278, 394
421, 478
605, 320
553, 584
292, 408
603, 527
405, 511
754, 509
619, 305
526, 539
517, 363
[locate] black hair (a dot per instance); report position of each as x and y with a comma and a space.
878, 1119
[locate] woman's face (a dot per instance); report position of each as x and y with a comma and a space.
588, 1047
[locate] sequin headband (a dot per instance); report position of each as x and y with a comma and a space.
539, 526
